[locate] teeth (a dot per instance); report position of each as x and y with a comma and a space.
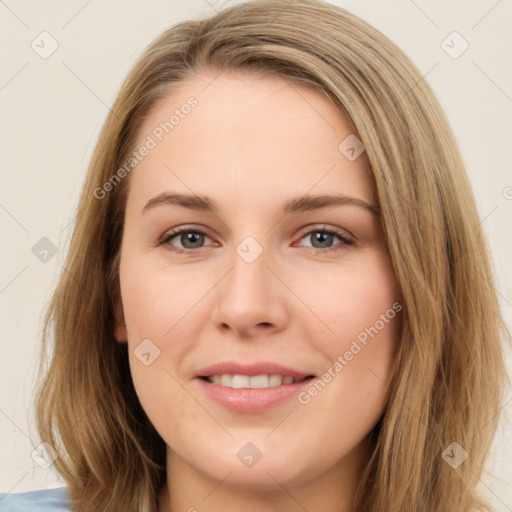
253, 382
238, 381
258, 381
226, 380
275, 380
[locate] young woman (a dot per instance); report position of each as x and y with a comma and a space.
278, 294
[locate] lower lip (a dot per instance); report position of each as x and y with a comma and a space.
252, 400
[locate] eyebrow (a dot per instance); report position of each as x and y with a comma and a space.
300, 204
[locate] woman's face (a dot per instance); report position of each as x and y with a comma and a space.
280, 268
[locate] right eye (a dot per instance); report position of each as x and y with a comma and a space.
190, 239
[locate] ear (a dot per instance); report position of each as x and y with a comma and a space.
120, 331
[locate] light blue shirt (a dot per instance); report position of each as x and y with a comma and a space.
47, 500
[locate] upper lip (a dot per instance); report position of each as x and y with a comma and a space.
252, 369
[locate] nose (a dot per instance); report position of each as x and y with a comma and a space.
251, 299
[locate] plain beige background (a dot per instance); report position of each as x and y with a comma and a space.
54, 105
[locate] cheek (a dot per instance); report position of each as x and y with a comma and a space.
166, 404
162, 325
156, 300
352, 299
359, 305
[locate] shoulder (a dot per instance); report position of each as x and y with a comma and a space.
46, 500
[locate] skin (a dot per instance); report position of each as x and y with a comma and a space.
251, 144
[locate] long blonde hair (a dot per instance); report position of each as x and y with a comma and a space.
449, 372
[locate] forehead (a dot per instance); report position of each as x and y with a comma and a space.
251, 102
258, 133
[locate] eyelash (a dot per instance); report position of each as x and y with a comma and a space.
165, 239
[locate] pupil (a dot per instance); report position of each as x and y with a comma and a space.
192, 238
322, 238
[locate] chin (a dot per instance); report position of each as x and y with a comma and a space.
275, 466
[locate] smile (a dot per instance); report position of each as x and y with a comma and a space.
254, 381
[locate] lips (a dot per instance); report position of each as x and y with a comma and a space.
251, 388
244, 388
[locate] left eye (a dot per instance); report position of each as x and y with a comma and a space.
323, 238
190, 240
